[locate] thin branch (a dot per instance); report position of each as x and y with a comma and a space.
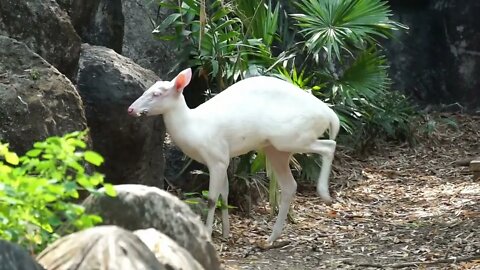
410, 264
277, 244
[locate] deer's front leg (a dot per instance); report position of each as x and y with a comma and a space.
225, 218
218, 181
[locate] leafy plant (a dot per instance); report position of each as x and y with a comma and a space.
333, 26
391, 118
353, 75
429, 125
38, 191
226, 40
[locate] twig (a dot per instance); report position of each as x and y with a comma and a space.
278, 244
410, 264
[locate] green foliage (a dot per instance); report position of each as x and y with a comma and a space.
34, 74
260, 18
353, 76
358, 88
191, 198
389, 118
226, 40
429, 125
334, 25
38, 190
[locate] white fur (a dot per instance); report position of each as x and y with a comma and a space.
256, 113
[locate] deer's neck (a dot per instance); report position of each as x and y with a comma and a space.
178, 118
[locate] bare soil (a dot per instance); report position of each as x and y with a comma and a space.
399, 207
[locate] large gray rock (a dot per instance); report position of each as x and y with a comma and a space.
133, 148
140, 207
66, 5
98, 22
104, 247
13, 257
167, 251
138, 42
125, 26
36, 100
437, 60
45, 28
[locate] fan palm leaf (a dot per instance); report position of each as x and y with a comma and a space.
333, 25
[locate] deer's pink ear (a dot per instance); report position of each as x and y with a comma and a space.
183, 79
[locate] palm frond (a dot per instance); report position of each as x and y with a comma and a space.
336, 25
364, 78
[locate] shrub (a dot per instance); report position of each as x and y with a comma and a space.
38, 191
228, 40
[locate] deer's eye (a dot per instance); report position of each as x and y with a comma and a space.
156, 93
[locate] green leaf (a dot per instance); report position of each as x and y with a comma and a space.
11, 158
75, 165
4, 169
10, 200
68, 186
93, 158
34, 152
366, 77
76, 142
258, 163
167, 22
54, 221
85, 182
95, 179
47, 227
110, 190
40, 145
3, 149
331, 25
191, 201
49, 198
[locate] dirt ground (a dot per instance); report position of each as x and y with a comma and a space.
398, 207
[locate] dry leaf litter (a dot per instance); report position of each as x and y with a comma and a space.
399, 207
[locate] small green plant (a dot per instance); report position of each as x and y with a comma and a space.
38, 191
35, 74
389, 118
192, 198
431, 124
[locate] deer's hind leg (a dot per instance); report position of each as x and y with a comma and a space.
326, 148
280, 164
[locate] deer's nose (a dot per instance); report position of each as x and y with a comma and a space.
130, 110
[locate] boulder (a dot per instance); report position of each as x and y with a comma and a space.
140, 207
66, 5
99, 22
139, 44
36, 100
436, 60
167, 251
103, 247
45, 28
132, 147
126, 27
13, 257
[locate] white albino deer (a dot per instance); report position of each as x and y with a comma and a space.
256, 113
